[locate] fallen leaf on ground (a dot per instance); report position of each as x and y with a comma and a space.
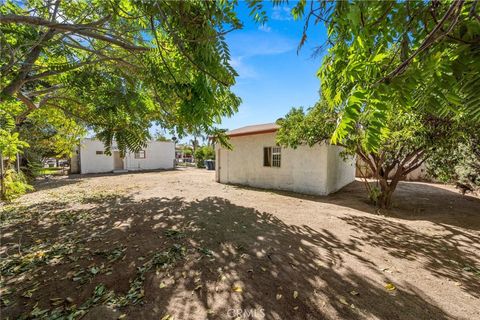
343, 300
295, 294
278, 296
390, 287
354, 293
237, 289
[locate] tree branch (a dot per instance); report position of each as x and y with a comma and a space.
180, 46
429, 40
78, 29
14, 86
76, 66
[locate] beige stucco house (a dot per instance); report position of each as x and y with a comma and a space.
90, 157
257, 161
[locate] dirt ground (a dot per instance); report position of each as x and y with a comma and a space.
177, 245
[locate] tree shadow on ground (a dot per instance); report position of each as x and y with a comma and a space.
450, 255
230, 260
411, 201
51, 182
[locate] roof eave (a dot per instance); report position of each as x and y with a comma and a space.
252, 133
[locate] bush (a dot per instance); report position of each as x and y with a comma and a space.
202, 154
16, 184
461, 166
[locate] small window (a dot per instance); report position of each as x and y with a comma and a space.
272, 157
99, 152
140, 154
276, 156
267, 157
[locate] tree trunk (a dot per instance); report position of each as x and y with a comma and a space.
384, 200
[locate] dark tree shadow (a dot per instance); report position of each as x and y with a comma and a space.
53, 182
235, 258
453, 256
411, 201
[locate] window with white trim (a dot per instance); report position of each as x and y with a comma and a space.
98, 152
140, 154
272, 156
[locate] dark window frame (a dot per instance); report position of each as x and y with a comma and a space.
272, 157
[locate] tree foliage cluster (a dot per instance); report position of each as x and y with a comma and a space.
204, 153
116, 66
414, 137
113, 67
399, 85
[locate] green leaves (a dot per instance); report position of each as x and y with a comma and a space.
138, 63
368, 40
350, 116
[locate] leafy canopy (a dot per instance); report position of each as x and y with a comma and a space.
116, 66
413, 137
384, 56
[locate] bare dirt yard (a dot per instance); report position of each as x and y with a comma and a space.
177, 245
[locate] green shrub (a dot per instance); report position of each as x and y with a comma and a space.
16, 184
202, 154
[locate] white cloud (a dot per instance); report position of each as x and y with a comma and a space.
244, 70
247, 45
282, 13
265, 28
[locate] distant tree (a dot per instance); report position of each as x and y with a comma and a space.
413, 137
460, 164
50, 133
204, 153
159, 136
187, 151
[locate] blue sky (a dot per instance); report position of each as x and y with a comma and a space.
272, 77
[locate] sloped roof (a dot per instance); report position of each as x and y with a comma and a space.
255, 129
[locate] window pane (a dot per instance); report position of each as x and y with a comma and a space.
276, 156
140, 154
267, 157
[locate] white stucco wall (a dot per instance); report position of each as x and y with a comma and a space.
340, 170
304, 170
90, 162
159, 155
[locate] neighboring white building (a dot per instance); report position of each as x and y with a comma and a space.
91, 158
257, 161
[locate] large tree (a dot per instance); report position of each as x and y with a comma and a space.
413, 137
396, 54
405, 53
395, 72
118, 65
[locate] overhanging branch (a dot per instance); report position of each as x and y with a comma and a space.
83, 29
